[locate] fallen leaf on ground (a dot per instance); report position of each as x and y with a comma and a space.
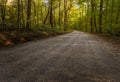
8, 43
3, 37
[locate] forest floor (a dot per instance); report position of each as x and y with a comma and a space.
114, 42
73, 57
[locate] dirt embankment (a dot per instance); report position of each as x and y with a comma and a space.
14, 37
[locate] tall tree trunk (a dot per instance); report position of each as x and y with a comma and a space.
18, 17
46, 17
106, 12
51, 13
59, 13
91, 19
42, 15
70, 5
22, 13
94, 17
28, 23
54, 18
65, 15
100, 16
35, 12
118, 13
3, 12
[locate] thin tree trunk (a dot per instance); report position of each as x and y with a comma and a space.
59, 13
51, 13
41, 12
3, 12
35, 13
95, 25
18, 17
28, 24
91, 19
118, 13
54, 18
100, 16
106, 13
65, 15
44, 22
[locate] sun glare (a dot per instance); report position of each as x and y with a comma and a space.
9, 1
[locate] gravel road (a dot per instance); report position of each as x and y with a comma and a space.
73, 57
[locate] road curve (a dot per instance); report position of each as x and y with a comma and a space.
73, 57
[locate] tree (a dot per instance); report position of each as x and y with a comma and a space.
100, 16
59, 12
28, 23
3, 11
65, 14
86, 15
118, 13
18, 17
51, 12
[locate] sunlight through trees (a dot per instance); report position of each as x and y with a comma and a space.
60, 15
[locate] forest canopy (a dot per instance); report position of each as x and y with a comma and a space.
101, 16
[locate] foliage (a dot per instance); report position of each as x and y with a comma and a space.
61, 15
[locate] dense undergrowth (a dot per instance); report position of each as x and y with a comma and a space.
15, 36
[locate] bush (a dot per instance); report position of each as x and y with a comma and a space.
113, 30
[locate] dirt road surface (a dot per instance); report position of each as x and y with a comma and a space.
73, 57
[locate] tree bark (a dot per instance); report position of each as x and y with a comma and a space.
3, 12
59, 13
65, 15
91, 19
18, 17
118, 13
100, 16
51, 13
94, 11
28, 23
106, 12
46, 17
